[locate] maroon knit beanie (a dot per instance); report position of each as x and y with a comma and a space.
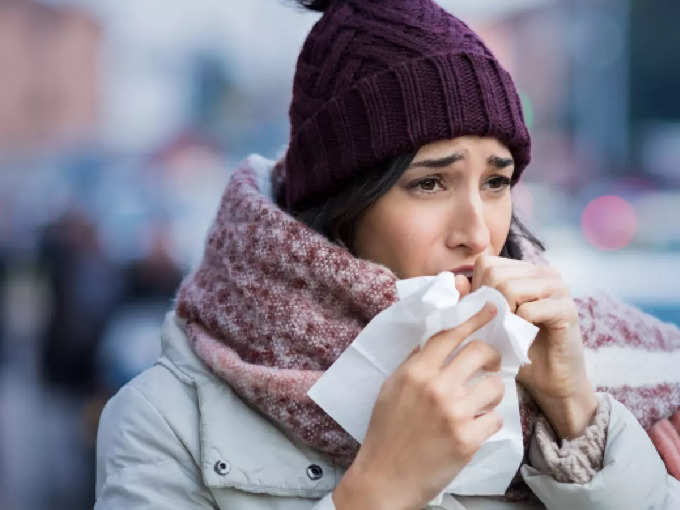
379, 78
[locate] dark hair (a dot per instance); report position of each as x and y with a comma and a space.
315, 5
336, 216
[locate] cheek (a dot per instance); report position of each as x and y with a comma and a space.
399, 237
416, 231
498, 219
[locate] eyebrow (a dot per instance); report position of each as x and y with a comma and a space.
499, 162
495, 161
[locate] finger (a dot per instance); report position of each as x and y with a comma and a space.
521, 290
415, 350
472, 358
486, 425
462, 285
439, 346
411, 356
492, 271
483, 396
551, 312
487, 269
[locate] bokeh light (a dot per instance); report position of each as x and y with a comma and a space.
609, 222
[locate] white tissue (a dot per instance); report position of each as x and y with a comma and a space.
427, 305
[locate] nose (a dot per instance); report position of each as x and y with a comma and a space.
467, 227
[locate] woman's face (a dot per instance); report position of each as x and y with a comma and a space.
451, 205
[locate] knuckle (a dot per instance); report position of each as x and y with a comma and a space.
496, 357
498, 386
567, 309
463, 442
476, 346
492, 274
523, 311
484, 350
454, 416
411, 376
480, 264
434, 394
498, 421
506, 288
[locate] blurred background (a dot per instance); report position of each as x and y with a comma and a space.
119, 124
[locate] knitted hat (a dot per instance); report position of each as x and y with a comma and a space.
379, 78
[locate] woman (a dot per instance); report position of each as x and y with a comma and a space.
406, 138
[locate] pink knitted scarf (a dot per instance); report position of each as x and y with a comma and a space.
273, 304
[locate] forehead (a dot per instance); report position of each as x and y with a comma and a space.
462, 144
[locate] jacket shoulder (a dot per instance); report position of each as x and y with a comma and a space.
179, 410
173, 399
147, 445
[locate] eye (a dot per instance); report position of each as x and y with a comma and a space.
498, 182
427, 184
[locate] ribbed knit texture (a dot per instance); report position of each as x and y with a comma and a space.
273, 304
571, 460
378, 78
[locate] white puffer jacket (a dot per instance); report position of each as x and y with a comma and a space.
177, 437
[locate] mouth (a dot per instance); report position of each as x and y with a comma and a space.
466, 271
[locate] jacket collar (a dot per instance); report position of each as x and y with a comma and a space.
239, 447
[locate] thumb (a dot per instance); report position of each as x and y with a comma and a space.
462, 285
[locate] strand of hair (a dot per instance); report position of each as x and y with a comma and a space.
315, 5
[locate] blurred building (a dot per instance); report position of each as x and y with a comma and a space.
49, 64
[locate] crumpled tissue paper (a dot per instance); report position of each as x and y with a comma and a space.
427, 305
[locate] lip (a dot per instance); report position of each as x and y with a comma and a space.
464, 270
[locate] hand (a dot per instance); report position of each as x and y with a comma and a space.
427, 423
556, 377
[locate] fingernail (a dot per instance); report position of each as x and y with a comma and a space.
490, 307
